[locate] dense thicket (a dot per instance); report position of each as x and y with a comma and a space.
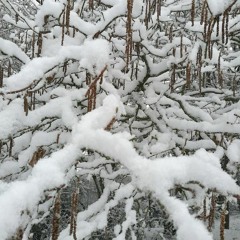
119, 119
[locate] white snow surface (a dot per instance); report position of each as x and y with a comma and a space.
89, 133
219, 6
11, 49
233, 151
90, 53
157, 176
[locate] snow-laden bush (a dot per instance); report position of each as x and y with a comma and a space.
123, 113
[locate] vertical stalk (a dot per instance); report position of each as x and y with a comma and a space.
129, 32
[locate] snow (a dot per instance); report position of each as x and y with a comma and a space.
93, 53
11, 49
159, 137
130, 219
149, 174
218, 7
13, 9
10, 118
50, 8
233, 151
180, 6
89, 133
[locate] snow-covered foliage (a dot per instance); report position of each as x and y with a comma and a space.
131, 106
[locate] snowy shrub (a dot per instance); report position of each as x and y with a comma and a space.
119, 119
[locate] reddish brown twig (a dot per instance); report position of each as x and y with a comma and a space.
95, 81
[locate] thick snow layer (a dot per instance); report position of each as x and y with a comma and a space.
11, 49
91, 53
88, 133
219, 6
11, 118
50, 8
233, 151
179, 120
